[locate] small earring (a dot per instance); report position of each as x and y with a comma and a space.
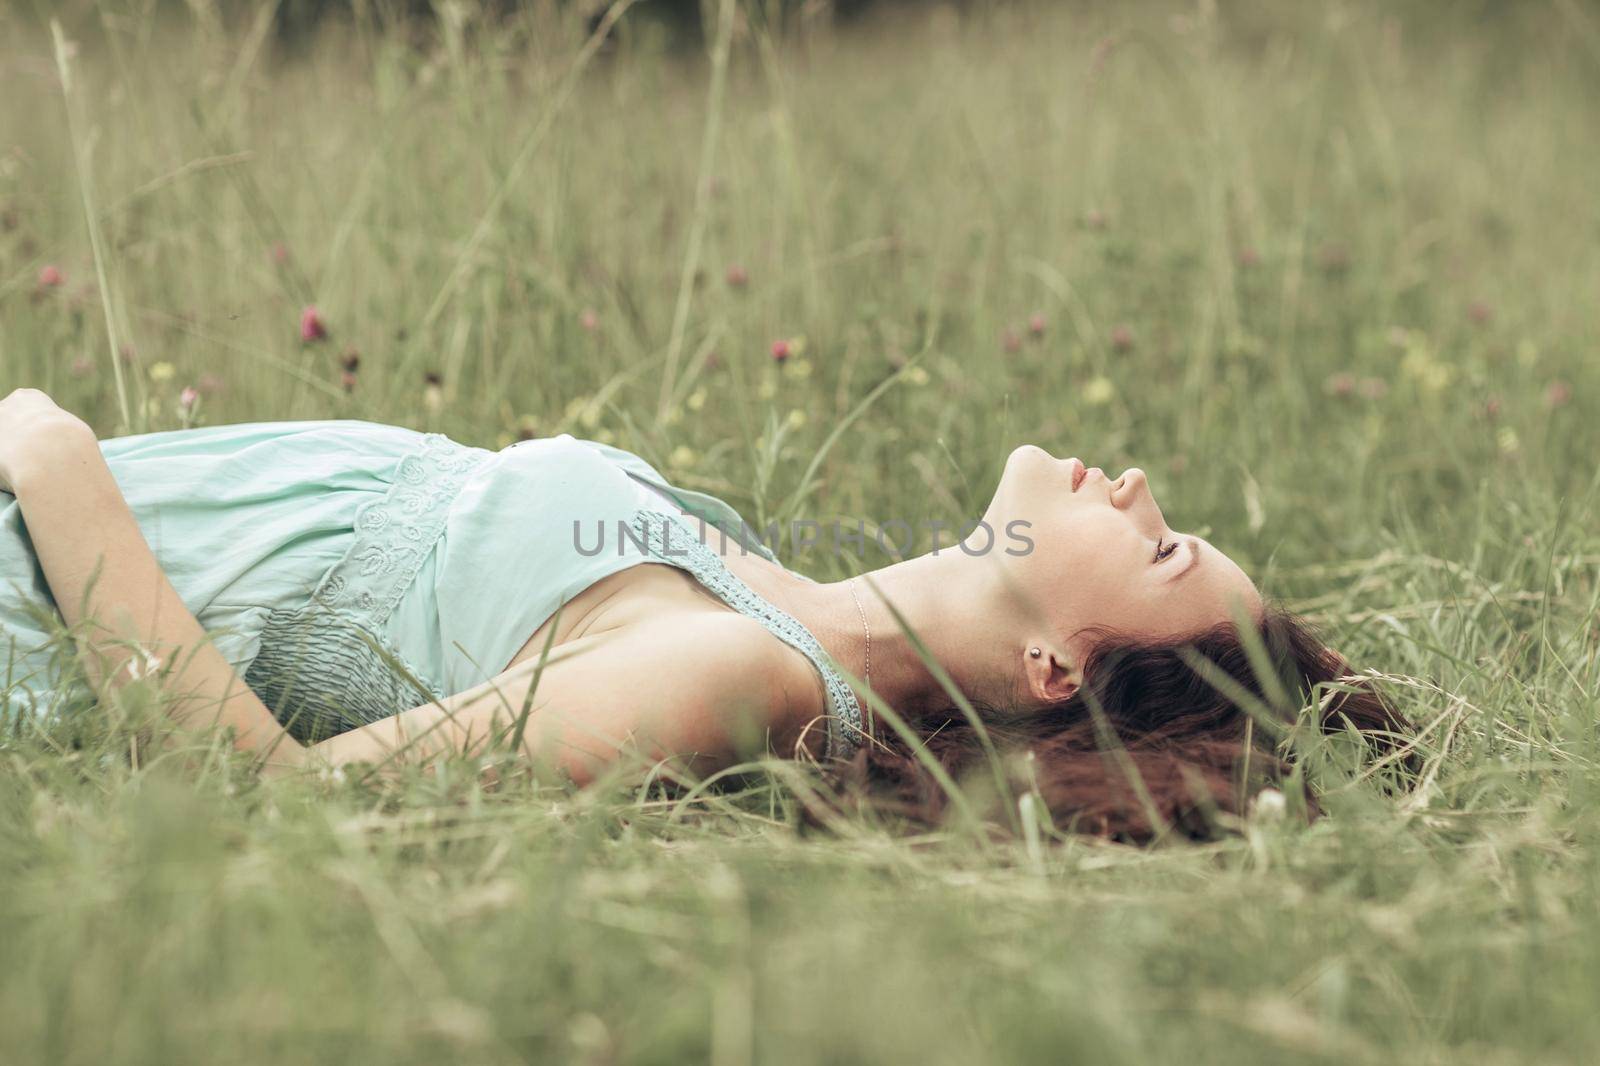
1035, 652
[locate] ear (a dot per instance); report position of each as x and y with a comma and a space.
1052, 677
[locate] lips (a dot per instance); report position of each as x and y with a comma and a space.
1079, 472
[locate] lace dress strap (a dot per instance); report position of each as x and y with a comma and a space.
666, 538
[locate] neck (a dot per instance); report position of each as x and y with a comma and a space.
938, 596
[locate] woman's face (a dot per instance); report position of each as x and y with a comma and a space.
1103, 555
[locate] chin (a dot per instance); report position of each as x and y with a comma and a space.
1029, 453
1038, 470
1030, 474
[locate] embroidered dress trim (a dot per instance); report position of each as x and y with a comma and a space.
395, 533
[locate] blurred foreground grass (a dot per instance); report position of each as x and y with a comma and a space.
1330, 278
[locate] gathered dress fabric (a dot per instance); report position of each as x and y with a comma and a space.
350, 570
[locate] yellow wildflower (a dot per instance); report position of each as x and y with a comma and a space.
1099, 391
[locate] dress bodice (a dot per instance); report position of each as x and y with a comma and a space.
468, 554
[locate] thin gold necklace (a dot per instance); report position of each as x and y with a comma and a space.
866, 629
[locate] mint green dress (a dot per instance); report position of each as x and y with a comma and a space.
350, 570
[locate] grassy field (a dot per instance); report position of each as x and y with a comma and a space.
1330, 278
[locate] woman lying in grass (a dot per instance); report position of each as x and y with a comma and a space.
342, 592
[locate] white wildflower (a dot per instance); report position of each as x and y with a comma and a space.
142, 664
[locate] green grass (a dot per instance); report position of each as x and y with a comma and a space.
1330, 278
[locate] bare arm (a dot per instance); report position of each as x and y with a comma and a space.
710, 687
107, 582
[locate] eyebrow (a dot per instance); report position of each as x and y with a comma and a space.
1194, 561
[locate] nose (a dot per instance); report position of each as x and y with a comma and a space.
1131, 485
1131, 493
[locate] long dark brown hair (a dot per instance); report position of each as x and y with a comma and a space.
1159, 737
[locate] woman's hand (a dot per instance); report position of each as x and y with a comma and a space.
32, 427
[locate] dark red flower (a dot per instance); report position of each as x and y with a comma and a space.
312, 328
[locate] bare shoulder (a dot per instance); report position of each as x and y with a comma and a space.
733, 658
700, 680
